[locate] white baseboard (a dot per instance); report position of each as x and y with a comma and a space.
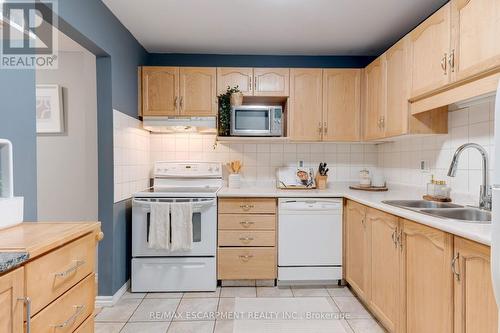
106, 301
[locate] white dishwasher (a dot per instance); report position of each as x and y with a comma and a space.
309, 240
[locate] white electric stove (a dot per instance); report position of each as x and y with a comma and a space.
177, 271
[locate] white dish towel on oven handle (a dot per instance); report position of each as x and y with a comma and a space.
182, 226
159, 226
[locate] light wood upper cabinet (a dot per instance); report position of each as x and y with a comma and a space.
476, 29
160, 91
429, 51
12, 309
235, 76
374, 92
271, 81
341, 104
397, 86
197, 91
427, 278
306, 104
475, 306
357, 248
385, 268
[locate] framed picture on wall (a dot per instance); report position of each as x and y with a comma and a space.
49, 109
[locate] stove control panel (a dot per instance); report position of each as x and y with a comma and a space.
188, 170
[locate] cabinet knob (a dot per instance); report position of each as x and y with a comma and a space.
99, 236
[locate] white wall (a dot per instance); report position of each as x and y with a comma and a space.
261, 160
67, 163
474, 123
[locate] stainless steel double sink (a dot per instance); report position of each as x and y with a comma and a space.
444, 210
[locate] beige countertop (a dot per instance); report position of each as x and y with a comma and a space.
474, 231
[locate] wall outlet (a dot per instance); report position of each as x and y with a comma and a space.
424, 166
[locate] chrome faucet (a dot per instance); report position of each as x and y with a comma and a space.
485, 189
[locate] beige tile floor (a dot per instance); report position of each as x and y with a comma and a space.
175, 312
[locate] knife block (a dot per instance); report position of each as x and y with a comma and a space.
321, 181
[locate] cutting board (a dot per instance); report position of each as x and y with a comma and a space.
369, 189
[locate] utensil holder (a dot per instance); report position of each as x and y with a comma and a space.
321, 182
234, 180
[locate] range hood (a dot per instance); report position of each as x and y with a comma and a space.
204, 125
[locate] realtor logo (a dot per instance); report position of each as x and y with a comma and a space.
29, 36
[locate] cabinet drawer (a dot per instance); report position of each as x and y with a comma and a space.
247, 238
67, 312
246, 222
87, 326
246, 263
49, 276
247, 205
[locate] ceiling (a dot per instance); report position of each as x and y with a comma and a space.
272, 27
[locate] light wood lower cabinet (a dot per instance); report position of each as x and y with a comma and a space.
247, 239
415, 278
58, 278
69, 311
246, 263
11, 304
385, 268
53, 274
475, 306
357, 248
427, 278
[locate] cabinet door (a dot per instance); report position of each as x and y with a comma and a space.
271, 81
385, 268
232, 77
476, 29
429, 50
197, 86
306, 104
427, 279
341, 104
160, 91
475, 306
374, 92
396, 69
12, 309
357, 249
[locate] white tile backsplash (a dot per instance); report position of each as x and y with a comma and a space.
131, 156
136, 150
400, 160
260, 160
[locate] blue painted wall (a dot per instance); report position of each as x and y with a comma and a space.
91, 24
17, 123
223, 60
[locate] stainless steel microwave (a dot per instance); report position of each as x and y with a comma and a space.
257, 120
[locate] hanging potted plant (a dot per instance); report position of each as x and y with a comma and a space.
231, 97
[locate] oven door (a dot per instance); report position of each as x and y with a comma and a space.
204, 228
251, 121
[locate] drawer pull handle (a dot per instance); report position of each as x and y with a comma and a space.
246, 240
246, 207
27, 302
246, 224
70, 321
70, 270
246, 258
